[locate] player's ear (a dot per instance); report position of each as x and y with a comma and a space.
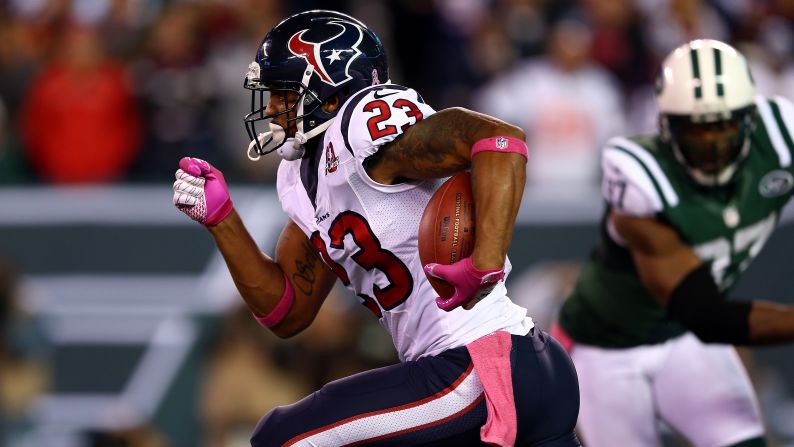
331, 104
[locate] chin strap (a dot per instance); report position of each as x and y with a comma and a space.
291, 148
719, 179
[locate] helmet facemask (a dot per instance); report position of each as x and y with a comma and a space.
299, 103
711, 151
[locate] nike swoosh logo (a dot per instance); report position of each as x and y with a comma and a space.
377, 96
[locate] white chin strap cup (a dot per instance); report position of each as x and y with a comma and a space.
293, 149
269, 141
288, 148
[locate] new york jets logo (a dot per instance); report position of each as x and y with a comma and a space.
776, 183
335, 43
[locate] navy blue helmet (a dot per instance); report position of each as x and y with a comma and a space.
316, 54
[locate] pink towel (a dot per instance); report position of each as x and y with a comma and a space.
491, 358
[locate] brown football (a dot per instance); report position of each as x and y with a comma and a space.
446, 231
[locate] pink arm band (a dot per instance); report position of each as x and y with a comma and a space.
282, 308
500, 144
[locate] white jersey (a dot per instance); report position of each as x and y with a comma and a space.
367, 232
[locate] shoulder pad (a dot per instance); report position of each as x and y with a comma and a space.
633, 182
377, 115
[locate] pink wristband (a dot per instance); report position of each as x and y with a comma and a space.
500, 144
282, 308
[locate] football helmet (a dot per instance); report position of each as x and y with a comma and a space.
307, 59
705, 94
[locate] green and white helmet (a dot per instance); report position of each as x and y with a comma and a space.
705, 94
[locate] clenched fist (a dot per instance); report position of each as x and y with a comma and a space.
200, 191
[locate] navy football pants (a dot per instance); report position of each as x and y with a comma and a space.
434, 401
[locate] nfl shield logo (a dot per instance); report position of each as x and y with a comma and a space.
331, 160
501, 143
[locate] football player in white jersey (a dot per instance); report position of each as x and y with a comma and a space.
362, 157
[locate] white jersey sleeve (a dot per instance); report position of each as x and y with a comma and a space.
378, 115
293, 198
626, 183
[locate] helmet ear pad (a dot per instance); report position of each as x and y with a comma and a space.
323, 112
331, 105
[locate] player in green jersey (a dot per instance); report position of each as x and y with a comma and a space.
687, 211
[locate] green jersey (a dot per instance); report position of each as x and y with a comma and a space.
726, 227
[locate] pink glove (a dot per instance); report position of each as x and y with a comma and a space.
200, 192
471, 284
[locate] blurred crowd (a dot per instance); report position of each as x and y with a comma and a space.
244, 371
23, 356
104, 91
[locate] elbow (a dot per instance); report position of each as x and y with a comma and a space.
706, 333
505, 129
284, 334
699, 306
726, 323
289, 328
493, 127
514, 131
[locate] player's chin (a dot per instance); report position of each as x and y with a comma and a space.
713, 169
282, 123
708, 167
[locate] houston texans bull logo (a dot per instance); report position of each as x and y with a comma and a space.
334, 49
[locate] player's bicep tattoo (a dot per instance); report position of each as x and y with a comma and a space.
436, 146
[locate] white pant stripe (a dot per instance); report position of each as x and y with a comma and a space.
401, 419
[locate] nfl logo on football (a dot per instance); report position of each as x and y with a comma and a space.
501, 143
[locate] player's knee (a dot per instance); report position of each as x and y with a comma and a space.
266, 433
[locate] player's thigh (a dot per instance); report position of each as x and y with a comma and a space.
546, 391
617, 407
704, 393
431, 401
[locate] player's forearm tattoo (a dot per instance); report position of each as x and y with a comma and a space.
304, 278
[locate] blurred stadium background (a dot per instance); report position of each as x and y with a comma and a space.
120, 325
